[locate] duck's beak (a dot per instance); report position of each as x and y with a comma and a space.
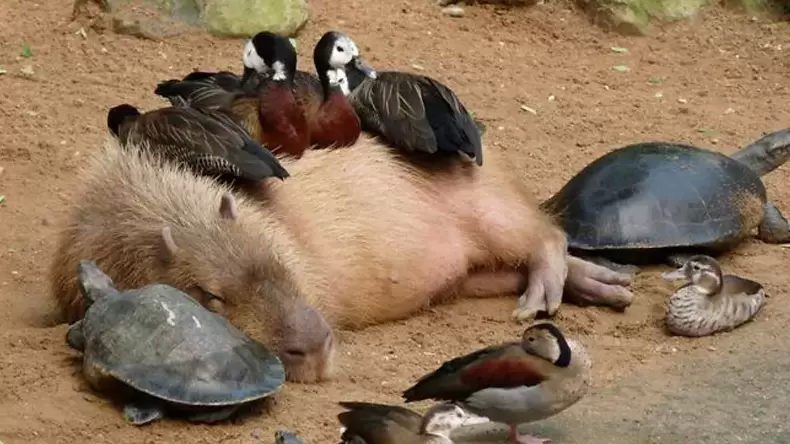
363, 67
249, 74
674, 275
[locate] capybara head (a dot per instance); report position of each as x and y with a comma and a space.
143, 221
256, 296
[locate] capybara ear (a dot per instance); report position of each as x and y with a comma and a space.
169, 247
227, 206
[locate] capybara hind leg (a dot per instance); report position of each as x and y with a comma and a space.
485, 284
593, 284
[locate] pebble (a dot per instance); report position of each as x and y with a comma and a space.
528, 109
453, 11
1, 170
446, 2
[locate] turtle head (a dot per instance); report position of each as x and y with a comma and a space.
93, 283
701, 271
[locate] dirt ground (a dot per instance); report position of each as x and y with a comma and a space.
719, 81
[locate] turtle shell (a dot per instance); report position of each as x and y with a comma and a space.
659, 195
160, 341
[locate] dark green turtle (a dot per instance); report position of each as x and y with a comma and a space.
164, 351
655, 202
286, 437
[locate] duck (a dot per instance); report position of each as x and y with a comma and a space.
515, 382
207, 142
331, 121
710, 302
370, 423
415, 113
408, 111
267, 109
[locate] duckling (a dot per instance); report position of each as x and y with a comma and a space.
710, 302
413, 112
515, 382
286, 437
368, 423
207, 142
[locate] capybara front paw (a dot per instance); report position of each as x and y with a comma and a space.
546, 279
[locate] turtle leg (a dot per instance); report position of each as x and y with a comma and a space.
139, 413
592, 284
614, 266
74, 336
214, 415
774, 228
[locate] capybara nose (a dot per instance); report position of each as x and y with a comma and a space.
304, 363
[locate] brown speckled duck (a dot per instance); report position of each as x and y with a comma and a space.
515, 382
369, 423
710, 302
208, 142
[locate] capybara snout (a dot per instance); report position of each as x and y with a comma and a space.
143, 223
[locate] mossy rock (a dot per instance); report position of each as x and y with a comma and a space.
234, 18
239, 18
760, 6
633, 17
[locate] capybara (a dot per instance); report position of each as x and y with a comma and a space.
360, 234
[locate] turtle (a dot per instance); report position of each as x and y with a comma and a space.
286, 437
659, 202
163, 351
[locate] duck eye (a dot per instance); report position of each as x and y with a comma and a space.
340, 49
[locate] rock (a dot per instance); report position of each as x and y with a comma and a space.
243, 18
757, 6
230, 18
633, 17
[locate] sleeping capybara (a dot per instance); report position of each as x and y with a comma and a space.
359, 234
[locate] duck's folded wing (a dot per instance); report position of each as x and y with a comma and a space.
198, 139
497, 366
394, 110
453, 126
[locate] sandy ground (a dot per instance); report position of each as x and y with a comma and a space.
719, 81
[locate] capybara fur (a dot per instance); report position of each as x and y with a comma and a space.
361, 234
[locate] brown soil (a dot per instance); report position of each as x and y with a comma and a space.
719, 81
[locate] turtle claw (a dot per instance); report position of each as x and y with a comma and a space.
592, 284
140, 414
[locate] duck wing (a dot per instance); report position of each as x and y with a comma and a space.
209, 142
499, 366
416, 113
